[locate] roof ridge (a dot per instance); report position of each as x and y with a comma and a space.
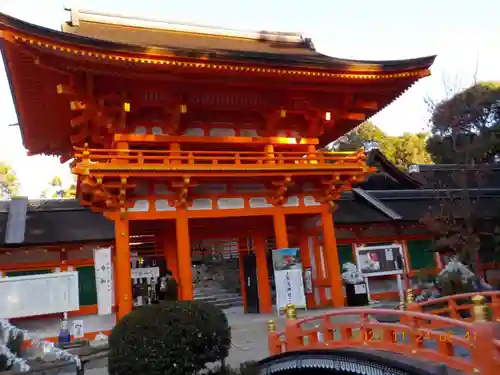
78, 15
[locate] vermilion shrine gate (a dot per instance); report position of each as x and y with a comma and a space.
189, 133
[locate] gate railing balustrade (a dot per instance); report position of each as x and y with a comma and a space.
470, 347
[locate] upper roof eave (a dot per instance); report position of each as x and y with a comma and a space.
314, 61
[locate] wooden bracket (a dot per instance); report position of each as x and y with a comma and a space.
278, 191
332, 190
100, 195
182, 199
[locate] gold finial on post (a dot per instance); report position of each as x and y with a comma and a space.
478, 308
290, 312
409, 297
271, 326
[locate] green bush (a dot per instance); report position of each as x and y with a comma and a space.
173, 337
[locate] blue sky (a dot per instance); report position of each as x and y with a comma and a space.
461, 32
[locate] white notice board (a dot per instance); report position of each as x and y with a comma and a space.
24, 296
104, 280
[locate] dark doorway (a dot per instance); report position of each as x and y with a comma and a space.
251, 285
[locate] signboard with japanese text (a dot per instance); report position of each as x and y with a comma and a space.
288, 278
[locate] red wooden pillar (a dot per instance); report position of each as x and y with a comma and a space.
265, 300
170, 253
280, 231
123, 282
184, 256
332, 256
242, 251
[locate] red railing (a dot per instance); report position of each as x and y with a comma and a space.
471, 347
459, 306
105, 158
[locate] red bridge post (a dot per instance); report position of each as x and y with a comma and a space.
293, 338
273, 338
483, 350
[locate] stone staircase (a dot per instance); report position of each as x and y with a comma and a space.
213, 293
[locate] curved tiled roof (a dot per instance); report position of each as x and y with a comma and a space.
284, 49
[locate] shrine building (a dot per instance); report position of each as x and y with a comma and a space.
193, 136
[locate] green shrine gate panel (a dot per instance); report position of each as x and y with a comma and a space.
87, 286
345, 254
419, 254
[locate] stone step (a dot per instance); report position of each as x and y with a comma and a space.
219, 293
226, 299
220, 299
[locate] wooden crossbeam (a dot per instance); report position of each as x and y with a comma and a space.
354, 116
366, 104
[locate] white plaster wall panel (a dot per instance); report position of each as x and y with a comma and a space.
322, 258
194, 132
310, 201
161, 189
259, 202
316, 296
248, 133
230, 203
248, 188
162, 205
210, 189
328, 293
141, 130
140, 205
222, 132
292, 201
201, 204
30, 256
157, 130
141, 189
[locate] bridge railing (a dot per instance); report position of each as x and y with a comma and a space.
458, 306
471, 347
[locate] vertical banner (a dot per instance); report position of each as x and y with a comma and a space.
103, 279
288, 278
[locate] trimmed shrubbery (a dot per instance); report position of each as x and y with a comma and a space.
175, 338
